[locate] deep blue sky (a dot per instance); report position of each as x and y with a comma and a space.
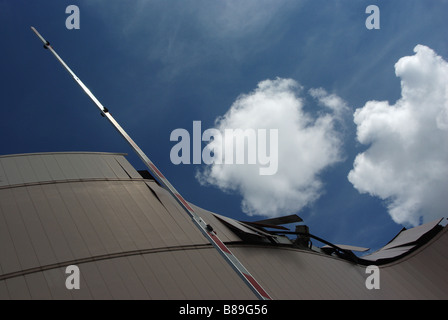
160, 65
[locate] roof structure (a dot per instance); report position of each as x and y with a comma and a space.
131, 240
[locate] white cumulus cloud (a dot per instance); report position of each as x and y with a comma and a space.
307, 145
406, 163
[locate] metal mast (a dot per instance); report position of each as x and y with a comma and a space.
205, 228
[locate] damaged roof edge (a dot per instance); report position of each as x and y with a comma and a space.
404, 243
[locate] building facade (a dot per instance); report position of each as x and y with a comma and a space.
131, 240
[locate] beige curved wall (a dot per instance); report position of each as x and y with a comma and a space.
131, 240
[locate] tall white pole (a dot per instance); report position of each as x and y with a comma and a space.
206, 229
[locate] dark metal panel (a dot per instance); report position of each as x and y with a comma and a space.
259, 225
224, 233
107, 218
18, 289
278, 283
127, 167
142, 219
183, 282
49, 221
40, 169
135, 234
131, 280
170, 224
83, 293
414, 271
175, 228
430, 267
222, 276
237, 225
347, 247
51, 163
56, 283
189, 274
25, 169
17, 230
3, 178
33, 226
216, 285
66, 166
178, 216
166, 227
82, 167
94, 215
80, 218
412, 235
152, 281
93, 280
195, 269
38, 286
163, 272
393, 282
255, 229
113, 279
146, 216
9, 262
4, 295
173, 216
307, 270
66, 221
115, 167
388, 253
281, 220
11, 170
420, 275
294, 274
332, 278
100, 164
63, 166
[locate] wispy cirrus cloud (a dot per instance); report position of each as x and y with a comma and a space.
182, 35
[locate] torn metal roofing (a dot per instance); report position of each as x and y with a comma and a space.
404, 242
406, 237
347, 247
